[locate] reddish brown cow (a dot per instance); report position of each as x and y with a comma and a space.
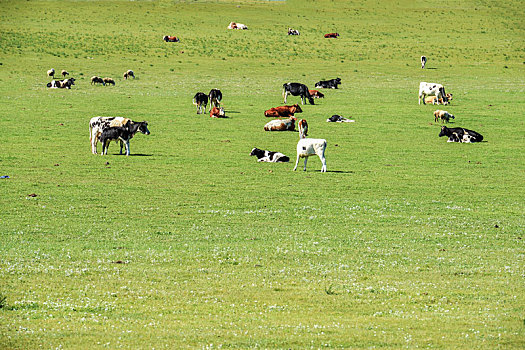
171, 39
217, 112
283, 111
316, 94
331, 35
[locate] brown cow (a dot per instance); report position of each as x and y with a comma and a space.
331, 35
217, 112
170, 39
316, 94
432, 99
283, 111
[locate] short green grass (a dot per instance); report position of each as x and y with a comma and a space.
406, 241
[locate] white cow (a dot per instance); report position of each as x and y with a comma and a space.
309, 147
432, 89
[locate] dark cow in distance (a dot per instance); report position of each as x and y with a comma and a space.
328, 84
460, 135
331, 35
200, 99
296, 89
215, 97
170, 39
283, 111
267, 156
338, 119
121, 133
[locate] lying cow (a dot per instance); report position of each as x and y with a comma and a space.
200, 99
283, 111
432, 89
316, 94
328, 84
331, 35
170, 39
121, 133
442, 115
267, 156
217, 112
434, 99
281, 125
460, 135
234, 25
293, 31
61, 84
296, 89
98, 124
338, 119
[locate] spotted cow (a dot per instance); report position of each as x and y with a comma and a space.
98, 124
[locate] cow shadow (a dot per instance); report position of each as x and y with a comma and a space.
431, 68
134, 155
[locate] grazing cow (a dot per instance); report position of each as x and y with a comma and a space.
121, 133
234, 25
296, 89
460, 135
64, 73
442, 115
217, 112
283, 111
95, 80
328, 84
423, 61
331, 35
316, 94
129, 73
200, 99
293, 31
108, 81
170, 39
98, 124
215, 97
432, 89
309, 147
281, 125
433, 99
267, 156
338, 119
51, 72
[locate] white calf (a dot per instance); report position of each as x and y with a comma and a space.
309, 147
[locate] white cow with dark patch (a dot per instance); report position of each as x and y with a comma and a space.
432, 89
97, 125
268, 156
309, 147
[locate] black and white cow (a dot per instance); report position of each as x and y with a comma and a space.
267, 156
121, 133
200, 99
432, 89
296, 89
423, 61
338, 119
328, 84
460, 135
293, 31
97, 125
215, 97
61, 84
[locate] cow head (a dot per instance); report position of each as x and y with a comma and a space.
143, 128
255, 151
444, 131
297, 109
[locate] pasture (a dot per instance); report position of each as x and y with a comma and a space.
406, 241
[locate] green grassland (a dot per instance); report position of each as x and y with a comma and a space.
406, 241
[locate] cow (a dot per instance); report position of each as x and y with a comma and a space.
433, 99
338, 119
129, 73
98, 124
442, 115
108, 81
51, 72
460, 135
281, 125
432, 89
296, 89
217, 112
170, 39
200, 99
309, 147
97, 80
283, 111
328, 84
215, 97
267, 156
234, 25
293, 31
423, 61
64, 73
316, 94
331, 35
121, 133
61, 84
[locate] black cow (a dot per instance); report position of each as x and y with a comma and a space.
122, 134
460, 135
215, 97
296, 89
338, 119
200, 99
328, 84
267, 156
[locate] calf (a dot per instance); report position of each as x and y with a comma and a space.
296, 89
432, 89
98, 124
215, 97
267, 156
442, 115
281, 125
316, 94
328, 84
283, 111
460, 135
121, 133
434, 100
331, 35
309, 147
170, 39
338, 119
200, 99
217, 112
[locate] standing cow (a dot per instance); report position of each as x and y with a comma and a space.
201, 101
296, 89
432, 89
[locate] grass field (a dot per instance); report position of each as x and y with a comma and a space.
407, 241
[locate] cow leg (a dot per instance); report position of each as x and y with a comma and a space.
323, 160
121, 145
127, 147
305, 160
296, 162
285, 95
